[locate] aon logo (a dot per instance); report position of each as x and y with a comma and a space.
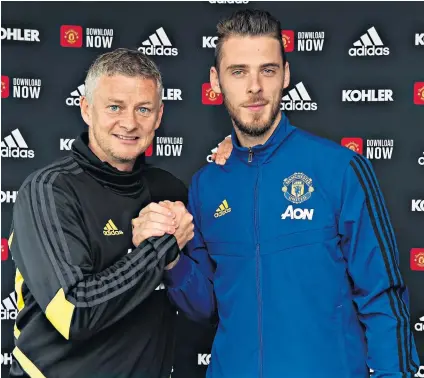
304, 214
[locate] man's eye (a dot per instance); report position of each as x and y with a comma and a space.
114, 108
237, 73
143, 110
269, 71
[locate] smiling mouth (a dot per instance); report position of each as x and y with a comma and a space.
124, 137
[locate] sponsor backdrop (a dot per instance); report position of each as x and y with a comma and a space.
356, 80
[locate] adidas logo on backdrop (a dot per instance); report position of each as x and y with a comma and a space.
74, 100
8, 307
14, 146
158, 43
370, 44
298, 99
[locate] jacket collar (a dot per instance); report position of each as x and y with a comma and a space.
261, 153
123, 183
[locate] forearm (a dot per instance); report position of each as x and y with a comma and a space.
103, 299
190, 290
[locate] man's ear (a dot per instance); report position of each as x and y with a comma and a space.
286, 79
85, 110
158, 121
214, 80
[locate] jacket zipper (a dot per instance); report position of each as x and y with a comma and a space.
258, 278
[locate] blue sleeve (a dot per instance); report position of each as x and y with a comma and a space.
379, 292
189, 282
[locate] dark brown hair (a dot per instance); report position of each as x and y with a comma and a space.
248, 22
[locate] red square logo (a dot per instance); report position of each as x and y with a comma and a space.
417, 259
4, 86
71, 36
419, 93
354, 144
288, 40
149, 151
209, 97
4, 249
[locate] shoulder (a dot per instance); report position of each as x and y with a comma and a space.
209, 171
325, 152
53, 182
56, 174
163, 185
330, 148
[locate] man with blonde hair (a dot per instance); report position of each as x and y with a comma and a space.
88, 273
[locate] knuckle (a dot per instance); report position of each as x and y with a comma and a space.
179, 204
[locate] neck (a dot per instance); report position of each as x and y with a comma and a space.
119, 165
251, 141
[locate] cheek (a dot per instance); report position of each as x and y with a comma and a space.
234, 94
147, 124
105, 121
277, 88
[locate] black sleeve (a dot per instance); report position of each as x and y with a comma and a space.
51, 251
165, 186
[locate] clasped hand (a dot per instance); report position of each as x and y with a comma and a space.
165, 217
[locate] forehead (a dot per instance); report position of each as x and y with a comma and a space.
121, 85
249, 50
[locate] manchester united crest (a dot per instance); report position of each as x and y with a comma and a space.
211, 95
71, 36
419, 260
297, 188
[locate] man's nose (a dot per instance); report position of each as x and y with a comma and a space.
128, 121
255, 85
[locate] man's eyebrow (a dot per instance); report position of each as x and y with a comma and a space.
275, 65
116, 101
265, 65
111, 99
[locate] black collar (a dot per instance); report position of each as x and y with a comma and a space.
124, 183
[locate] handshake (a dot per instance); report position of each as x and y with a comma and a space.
165, 217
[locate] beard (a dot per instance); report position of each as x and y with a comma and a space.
254, 128
106, 146
120, 158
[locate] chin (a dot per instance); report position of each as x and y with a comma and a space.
126, 156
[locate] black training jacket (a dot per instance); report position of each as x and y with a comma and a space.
90, 303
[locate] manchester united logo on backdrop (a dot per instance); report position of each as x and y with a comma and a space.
419, 259
71, 36
4, 86
419, 93
288, 40
354, 144
297, 188
209, 96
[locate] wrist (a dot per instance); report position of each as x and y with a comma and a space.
173, 263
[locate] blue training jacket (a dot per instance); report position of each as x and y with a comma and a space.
294, 251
